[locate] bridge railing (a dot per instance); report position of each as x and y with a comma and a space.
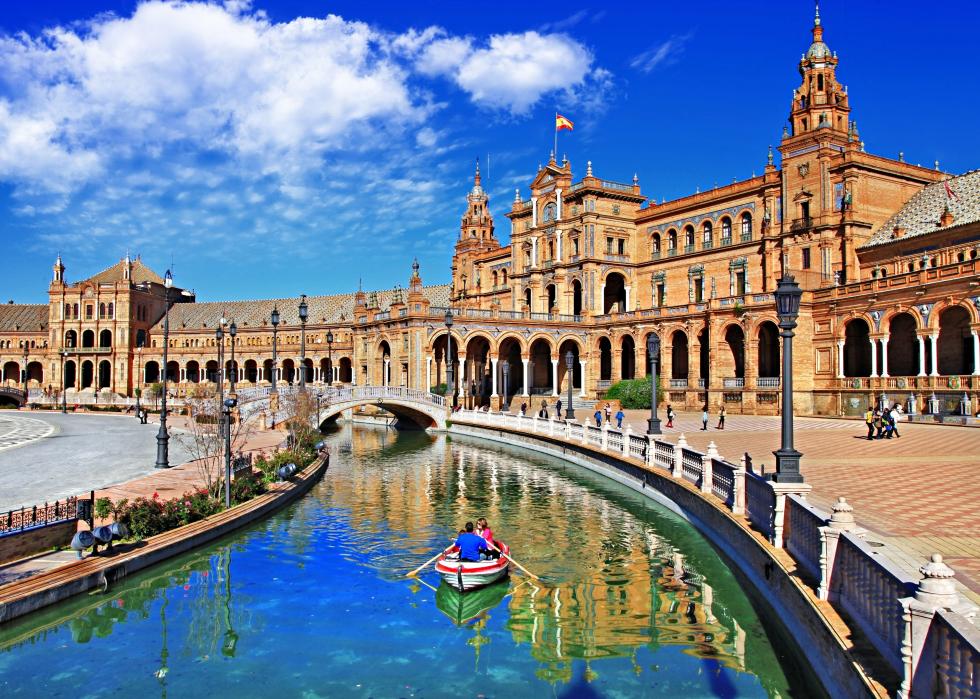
897, 611
253, 401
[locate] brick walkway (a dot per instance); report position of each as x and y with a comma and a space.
918, 493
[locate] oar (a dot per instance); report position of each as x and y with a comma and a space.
412, 573
509, 558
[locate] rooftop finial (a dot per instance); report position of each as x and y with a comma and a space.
769, 157
588, 169
816, 16
636, 179
551, 159
476, 176
415, 264
517, 195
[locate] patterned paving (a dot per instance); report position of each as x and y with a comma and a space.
16, 431
917, 493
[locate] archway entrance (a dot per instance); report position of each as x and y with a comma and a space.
627, 358
605, 359
614, 294
679, 355
955, 342
768, 350
857, 348
903, 346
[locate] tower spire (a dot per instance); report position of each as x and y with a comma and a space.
476, 176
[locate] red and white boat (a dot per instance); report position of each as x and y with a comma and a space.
470, 575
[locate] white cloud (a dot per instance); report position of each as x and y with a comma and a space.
665, 53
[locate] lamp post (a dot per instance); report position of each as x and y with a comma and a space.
219, 338
233, 331
449, 362
506, 381
139, 377
329, 358
653, 349
163, 437
64, 386
788, 295
303, 310
569, 367
275, 358
226, 408
25, 372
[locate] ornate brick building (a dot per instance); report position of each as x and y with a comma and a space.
884, 250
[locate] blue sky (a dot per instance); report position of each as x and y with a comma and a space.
277, 148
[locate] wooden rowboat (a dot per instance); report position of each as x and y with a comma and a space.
463, 608
470, 575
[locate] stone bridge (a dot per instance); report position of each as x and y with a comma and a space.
411, 406
9, 394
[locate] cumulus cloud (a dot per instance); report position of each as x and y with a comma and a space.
512, 71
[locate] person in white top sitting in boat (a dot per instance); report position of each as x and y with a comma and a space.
472, 547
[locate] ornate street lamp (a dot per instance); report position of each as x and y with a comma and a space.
506, 381
139, 377
451, 383
226, 408
64, 386
788, 295
329, 358
303, 310
163, 437
233, 331
275, 358
219, 338
569, 366
653, 349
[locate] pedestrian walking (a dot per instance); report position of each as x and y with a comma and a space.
704, 418
608, 410
879, 424
869, 419
558, 409
619, 418
893, 416
670, 416
721, 418
523, 408
598, 418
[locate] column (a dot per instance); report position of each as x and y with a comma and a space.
260, 371
581, 363
935, 354
384, 373
840, 358
526, 386
884, 357
976, 353
336, 374
558, 242
558, 204
874, 358
460, 382
183, 374
922, 355
428, 373
493, 389
628, 307
534, 212
554, 377
534, 251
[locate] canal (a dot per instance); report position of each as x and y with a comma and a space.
313, 601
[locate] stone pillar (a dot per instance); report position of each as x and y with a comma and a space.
874, 358
428, 373
976, 353
581, 390
534, 212
781, 490
922, 355
460, 380
627, 289
526, 388
840, 358
707, 468
384, 373
935, 354
678, 470
884, 357
842, 520
558, 243
493, 389
554, 377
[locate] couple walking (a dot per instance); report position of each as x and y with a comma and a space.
704, 418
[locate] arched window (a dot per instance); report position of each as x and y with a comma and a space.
112, 311
746, 226
74, 311
67, 311
503, 273
689, 239
89, 311
550, 210
656, 245
102, 311
708, 234
671, 239
726, 228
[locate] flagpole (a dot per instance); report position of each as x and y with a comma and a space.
555, 151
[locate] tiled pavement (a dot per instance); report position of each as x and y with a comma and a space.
919, 493
17, 430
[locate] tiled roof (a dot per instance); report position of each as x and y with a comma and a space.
921, 213
140, 273
23, 317
250, 314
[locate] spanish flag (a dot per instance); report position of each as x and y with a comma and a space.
562, 123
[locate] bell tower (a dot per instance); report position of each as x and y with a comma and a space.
475, 237
820, 109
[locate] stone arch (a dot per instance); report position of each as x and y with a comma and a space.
71, 339
251, 371
679, 355
903, 344
627, 357
768, 349
646, 353
576, 297
510, 351
565, 345
288, 368
540, 351
346, 370
857, 347
614, 293
479, 367
734, 359
955, 344
151, 371
605, 358
35, 372
88, 338
105, 374
88, 374
11, 372
69, 379
105, 338
192, 371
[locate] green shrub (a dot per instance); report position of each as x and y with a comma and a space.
635, 393
439, 390
245, 488
103, 508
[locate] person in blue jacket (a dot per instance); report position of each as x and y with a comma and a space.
472, 547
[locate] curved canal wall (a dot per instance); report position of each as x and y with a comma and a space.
101, 571
864, 627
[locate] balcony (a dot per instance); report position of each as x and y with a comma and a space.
746, 237
801, 224
655, 255
767, 382
733, 382
678, 383
612, 257
88, 350
688, 248
672, 252
707, 245
702, 383
726, 241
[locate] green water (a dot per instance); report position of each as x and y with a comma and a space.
313, 603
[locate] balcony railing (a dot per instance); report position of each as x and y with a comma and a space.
707, 245
702, 383
655, 255
726, 241
746, 237
688, 248
678, 383
767, 382
733, 382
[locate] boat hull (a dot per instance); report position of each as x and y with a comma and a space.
471, 575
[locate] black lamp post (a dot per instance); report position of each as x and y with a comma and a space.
570, 368
329, 358
163, 437
653, 349
450, 379
139, 377
219, 338
64, 386
303, 310
226, 408
275, 358
506, 381
788, 295
25, 372
233, 331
